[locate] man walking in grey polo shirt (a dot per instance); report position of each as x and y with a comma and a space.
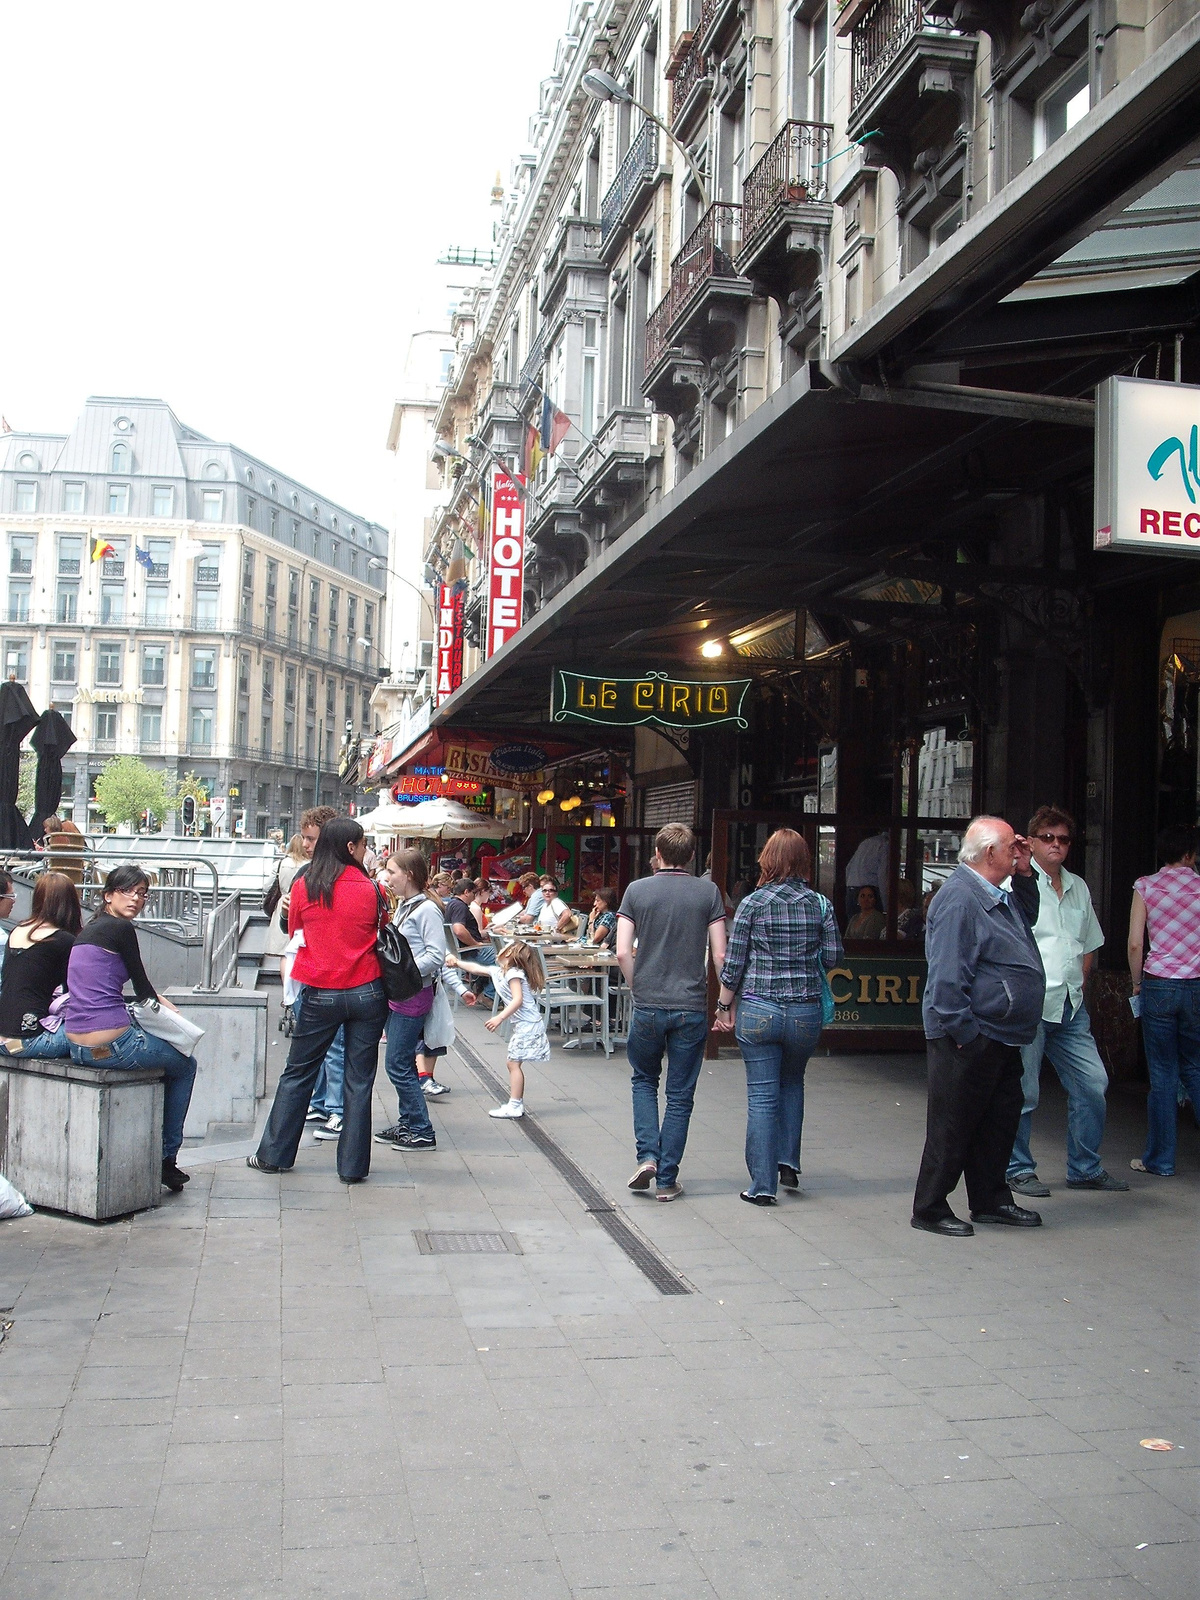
677, 920
1068, 937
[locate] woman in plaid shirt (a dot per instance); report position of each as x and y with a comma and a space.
784, 933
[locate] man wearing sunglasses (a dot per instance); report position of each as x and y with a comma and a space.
1068, 936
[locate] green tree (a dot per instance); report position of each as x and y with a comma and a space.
127, 788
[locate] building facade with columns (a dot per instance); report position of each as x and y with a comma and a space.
231, 626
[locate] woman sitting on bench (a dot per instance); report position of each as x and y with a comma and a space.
35, 966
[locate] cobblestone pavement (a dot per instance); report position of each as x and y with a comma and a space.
263, 1388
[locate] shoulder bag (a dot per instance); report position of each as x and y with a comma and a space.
272, 896
828, 1006
397, 965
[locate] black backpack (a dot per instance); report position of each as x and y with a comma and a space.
397, 965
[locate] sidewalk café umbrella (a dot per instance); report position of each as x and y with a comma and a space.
434, 818
387, 821
17, 718
52, 738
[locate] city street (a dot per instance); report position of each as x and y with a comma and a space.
266, 1388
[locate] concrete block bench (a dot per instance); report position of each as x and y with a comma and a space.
84, 1140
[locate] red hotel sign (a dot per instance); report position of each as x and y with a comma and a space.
449, 640
506, 563
427, 786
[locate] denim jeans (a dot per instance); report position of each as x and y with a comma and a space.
329, 1093
42, 1046
136, 1050
681, 1035
1073, 1055
361, 1013
776, 1042
1171, 1032
400, 1063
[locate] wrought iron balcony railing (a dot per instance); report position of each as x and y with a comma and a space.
881, 35
688, 66
635, 171
708, 252
792, 171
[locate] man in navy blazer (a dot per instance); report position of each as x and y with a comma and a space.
983, 1000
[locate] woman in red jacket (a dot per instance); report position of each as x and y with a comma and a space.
338, 909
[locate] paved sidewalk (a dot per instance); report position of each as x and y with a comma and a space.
264, 1389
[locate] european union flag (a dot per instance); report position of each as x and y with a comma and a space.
143, 557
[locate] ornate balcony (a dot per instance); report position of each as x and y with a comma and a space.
902, 56
612, 468
786, 213
634, 181
689, 72
703, 268
499, 423
576, 250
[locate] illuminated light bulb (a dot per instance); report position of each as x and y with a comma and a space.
545, 796
712, 648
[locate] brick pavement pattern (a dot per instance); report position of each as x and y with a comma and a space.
262, 1389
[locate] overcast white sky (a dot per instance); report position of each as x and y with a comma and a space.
237, 208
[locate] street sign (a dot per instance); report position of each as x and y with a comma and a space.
1148, 466
654, 697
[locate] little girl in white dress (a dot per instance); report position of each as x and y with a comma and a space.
516, 977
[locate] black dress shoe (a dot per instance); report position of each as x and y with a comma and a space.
789, 1177
757, 1199
1010, 1216
952, 1227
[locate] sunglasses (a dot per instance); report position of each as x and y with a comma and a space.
1063, 839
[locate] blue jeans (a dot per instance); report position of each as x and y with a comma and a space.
681, 1035
361, 1012
1073, 1055
329, 1093
137, 1050
1171, 1032
42, 1046
400, 1063
776, 1042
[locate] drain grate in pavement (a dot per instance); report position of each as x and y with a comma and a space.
620, 1230
465, 1244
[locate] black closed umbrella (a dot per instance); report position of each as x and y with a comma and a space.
52, 738
17, 718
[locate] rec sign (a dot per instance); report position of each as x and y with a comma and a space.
449, 640
1148, 466
506, 560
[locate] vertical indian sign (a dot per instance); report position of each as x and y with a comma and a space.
449, 640
506, 560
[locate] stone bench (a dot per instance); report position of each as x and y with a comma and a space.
84, 1140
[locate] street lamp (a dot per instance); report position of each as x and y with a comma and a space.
603, 86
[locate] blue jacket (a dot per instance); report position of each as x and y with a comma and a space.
985, 972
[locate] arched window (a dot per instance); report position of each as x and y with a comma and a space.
120, 458
295, 499
316, 512
249, 474
272, 490
333, 523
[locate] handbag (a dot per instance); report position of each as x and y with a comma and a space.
828, 1004
272, 896
397, 965
165, 1024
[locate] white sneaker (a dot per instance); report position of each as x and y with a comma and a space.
433, 1088
331, 1130
514, 1108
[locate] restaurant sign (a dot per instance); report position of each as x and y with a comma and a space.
1148, 466
877, 992
479, 764
654, 697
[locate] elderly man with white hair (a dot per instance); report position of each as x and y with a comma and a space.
983, 1000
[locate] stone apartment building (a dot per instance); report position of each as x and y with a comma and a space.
233, 630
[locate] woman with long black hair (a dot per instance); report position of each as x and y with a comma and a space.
36, 965
338, 909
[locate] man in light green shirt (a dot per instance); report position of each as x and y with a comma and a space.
1068, 935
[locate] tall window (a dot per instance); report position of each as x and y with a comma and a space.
21, 548
159, 551
70, 554
352, 618
73, 497
268, 732
63, 662
202, 726
164, 500
157, 598
119, 461
243, 672
18, 602
108, 663
212, 505
810, 38
26, 497
591, 364
16, 659
289, 686
268, 680
151, 725
112, 602
105, 724
154, 665
1062, 106
207, 607
118, 499
204, 669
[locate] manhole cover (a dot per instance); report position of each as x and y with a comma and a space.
465, 1244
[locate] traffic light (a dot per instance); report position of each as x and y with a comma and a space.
189, 811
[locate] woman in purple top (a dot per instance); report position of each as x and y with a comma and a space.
105, 957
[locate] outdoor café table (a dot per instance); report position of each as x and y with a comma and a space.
596, 968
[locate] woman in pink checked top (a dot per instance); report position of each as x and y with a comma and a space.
1166, 905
